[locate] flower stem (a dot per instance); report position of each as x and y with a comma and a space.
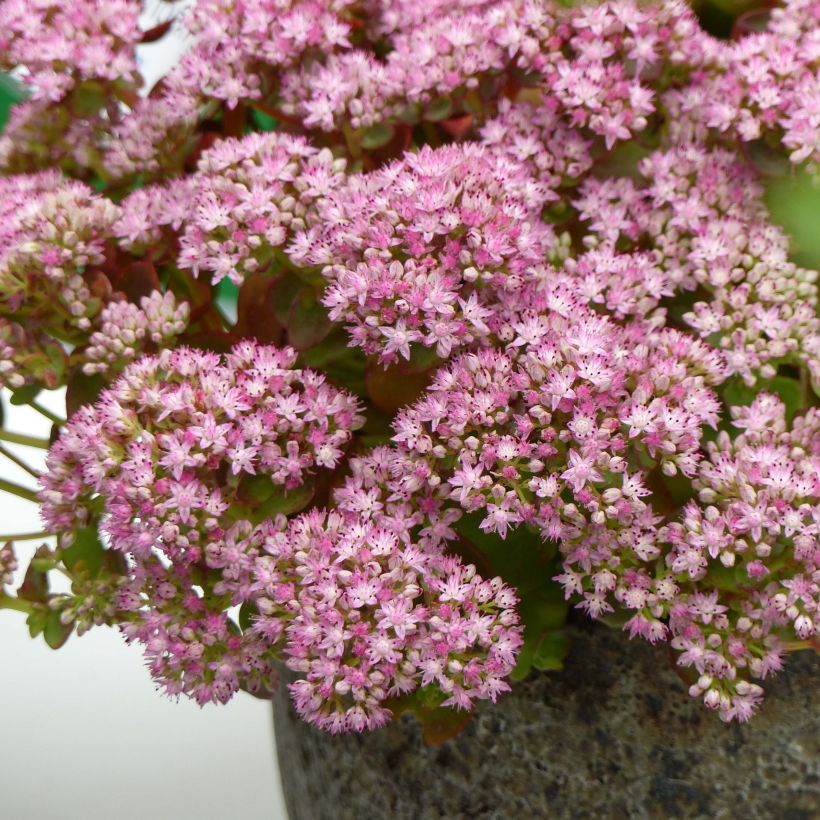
25, 536
21, 438
16, 489
19, 462
44, 411
18, 604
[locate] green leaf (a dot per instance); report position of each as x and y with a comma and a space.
789, 392
263, 121
256, 488
23, 395
286, 502
551, 651
10, 94
794, 202
261, 499
246, 614
439, 109
56, 633
377, 136
85, 553
35, 583
308, 323
36, 622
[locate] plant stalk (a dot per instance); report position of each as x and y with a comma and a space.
16, 489
19, 462
22, 438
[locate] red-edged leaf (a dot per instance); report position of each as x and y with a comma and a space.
81, 390
157, 32
35, 583
308, 323
440, 725
255, 309
137, 280
458, 127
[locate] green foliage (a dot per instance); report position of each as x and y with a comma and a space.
794, 202
10, 94
377, 136
85, 555
525, 562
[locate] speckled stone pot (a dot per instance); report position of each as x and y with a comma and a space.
614, 735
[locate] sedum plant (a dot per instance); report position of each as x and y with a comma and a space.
391, 340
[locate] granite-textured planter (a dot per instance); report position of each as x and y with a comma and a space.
614, 735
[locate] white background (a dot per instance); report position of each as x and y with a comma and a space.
83, 733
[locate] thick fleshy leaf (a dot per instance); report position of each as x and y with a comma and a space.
85, 555
308, 323
81, 390
551, 650
56, 633
439, 109
255, 310
35, 583
377, 136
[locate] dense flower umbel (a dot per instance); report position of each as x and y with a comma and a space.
191, 648
738, 572
371, 618
554, 432
248, 198
416, 252
185, 441
127, 330
151, 216
703, 212
448, 175
238, 43
767, 85
47, 249
61, 45
445, 55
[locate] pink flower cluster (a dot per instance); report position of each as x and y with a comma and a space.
150, 217
741, 565
128, 330
184, 440
154, 138
8, 565
191, 645
248, 198
550, 211
48, 247
63, 45
703, 212
415, 252
771, 83
237, 43
550, 432
608, 50
534, 135
438, 57
371, 618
